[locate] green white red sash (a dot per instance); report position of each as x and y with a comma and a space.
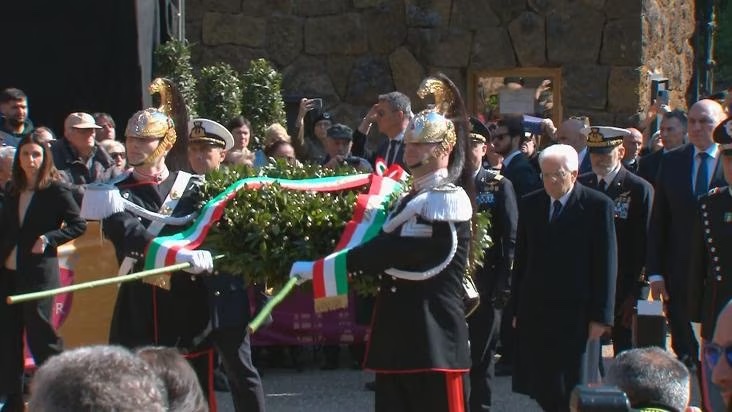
329, 275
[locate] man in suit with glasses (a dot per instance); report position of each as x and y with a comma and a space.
392, 114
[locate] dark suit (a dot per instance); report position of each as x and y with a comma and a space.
669, 242
522, 174
633, 199
648, 166
48, 209
495, 195
564, 278
359, 149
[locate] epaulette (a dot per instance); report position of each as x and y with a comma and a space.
447, 203
715, 190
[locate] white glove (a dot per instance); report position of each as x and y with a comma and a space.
200, 260
303, 270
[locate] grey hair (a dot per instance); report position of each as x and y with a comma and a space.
398, 101
97, 378
562, 152
7, 152
651, 376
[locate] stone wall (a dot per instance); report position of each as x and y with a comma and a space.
349, 51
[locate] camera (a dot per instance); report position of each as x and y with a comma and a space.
663, 97
586, 398
317, 104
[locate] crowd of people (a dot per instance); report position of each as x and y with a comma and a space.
583, 216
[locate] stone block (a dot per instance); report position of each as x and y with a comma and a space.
453, 50
195, 9
623, 89
528, 39
406, 72
363, 4
621, 42
342, 34
237, 56
223, 6
492, 49
427, 13
385, 26
422, 42
305, 77
310, 8
615, 9
473, 15
284, 38
220, 28
574, 35
507, 10
339, 69
585, 86
370, 77
265, 8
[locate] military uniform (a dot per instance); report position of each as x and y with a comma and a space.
710, 280
228, 299
418, 344
496, 196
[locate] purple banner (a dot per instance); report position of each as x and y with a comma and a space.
296, 323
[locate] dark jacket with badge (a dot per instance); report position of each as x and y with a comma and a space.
146, 314
418, 325
564, 278
710, 280
495, 194
633, 199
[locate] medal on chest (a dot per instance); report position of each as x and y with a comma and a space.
622, 205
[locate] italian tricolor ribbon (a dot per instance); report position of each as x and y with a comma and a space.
330, 277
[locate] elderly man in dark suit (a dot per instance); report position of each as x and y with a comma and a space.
633, 198
685, 174
564, 280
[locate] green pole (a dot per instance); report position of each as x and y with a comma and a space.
11, 300
267, 309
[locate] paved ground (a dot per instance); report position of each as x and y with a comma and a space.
287, 390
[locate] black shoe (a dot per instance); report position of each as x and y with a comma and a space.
220, 382
370, 386
503, 369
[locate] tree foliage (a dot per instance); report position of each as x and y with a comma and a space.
262, 98
173, 61
219, 93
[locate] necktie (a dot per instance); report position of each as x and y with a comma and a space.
557, 209
702, 175
392, 152
601, 185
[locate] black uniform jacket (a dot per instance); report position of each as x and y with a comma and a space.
564, 278
145, 314
48, 210
418, 326
648, 166
633, 199
710, 280
674, 214
496, 195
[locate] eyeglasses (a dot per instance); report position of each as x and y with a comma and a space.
120, 155
554, 176
713, 352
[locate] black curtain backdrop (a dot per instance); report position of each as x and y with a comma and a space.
71, 55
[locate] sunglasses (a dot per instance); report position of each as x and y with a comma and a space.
713, 352
120, 155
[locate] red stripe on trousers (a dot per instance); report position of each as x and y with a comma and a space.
455, 400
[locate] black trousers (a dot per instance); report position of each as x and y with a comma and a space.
483, 327
35, 318
234, 347
416, 392
683, 341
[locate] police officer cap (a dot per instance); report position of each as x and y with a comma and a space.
340, 131
478, 132
210, 132
723, 136
603, 139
